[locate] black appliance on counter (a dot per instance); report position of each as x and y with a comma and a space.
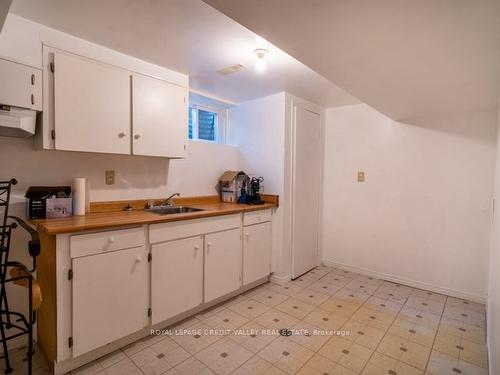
253, 191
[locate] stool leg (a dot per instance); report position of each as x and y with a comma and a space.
30, 326
8, 369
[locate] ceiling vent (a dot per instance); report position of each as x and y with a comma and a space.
231, 69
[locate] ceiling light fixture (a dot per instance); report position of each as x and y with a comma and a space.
261, 64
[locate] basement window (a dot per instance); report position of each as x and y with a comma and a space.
203, 124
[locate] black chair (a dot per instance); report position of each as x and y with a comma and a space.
16, 273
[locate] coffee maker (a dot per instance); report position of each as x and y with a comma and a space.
253, 191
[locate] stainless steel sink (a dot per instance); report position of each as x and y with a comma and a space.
170, 210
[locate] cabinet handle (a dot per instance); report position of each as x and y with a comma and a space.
137, 136
111, 239
32, 80
138, 259
209, 244
32, 99
122, 135
197, 247
247, 235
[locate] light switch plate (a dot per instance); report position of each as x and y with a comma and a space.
110, 177
361, 176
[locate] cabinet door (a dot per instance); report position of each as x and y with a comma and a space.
159, 117
222, 263
256, 252
92, 106
110, 297
176, 277
21, 85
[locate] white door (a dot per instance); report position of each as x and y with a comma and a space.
222, 263
176, 277
92, 106
305, 190
110, 297
256, 252
159, 117
20, 85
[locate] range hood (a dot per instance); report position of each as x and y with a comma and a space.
17, 122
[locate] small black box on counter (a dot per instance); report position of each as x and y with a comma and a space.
36, 199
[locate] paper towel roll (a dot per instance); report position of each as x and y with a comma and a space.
79, 195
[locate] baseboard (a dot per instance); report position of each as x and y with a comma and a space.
409, 282
280, 279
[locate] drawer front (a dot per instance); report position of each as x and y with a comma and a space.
96, 243
189, 228
256, 217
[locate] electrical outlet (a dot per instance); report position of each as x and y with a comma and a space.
110, 177
361, 176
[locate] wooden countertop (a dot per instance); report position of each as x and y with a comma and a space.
106, 214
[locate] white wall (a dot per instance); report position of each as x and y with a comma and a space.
257, 127
423, 214
493, 312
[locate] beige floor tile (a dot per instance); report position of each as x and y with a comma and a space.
425, 304
341, 306
111, 359
363, 334
325, 287
286, 355
324, 319
123, 367
420, 334
249, 308
386, 305
466, 331
224, 356
466, 316
393, 292
295, 307
191, 366
376, 319
309, 336
346, 353
319, 365
226, 320
257, 366
413, 354
196, 337
352, 296
429, 295
418, 317
89, 369
465, 350
234, 301
443, 364
211, 311
276, 319
362, 286
144, 343
253, 336
380, 364
333, 278
289, 288
269, 297
311, 297
468, 305
150, 362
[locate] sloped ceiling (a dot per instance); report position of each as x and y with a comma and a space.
188, 36
406, 58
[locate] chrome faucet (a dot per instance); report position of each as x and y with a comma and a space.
168, 201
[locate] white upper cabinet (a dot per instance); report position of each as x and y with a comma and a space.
159, 117
20, 85
95, 106
92, 106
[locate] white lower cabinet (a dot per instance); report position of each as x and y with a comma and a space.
256, 252
176, 277
222, 263
110, 297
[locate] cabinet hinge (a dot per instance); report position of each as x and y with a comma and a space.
70, 274
150, 312
32, 80
53, 134
150, 256
70, 342
52, 67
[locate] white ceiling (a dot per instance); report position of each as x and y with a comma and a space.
406, 58
188, 36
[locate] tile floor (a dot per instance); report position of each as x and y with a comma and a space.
341, 323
